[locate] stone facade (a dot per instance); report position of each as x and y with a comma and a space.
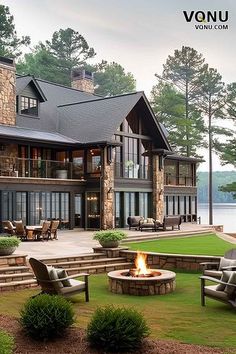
158, 190
82, 80
7, 94
107, 193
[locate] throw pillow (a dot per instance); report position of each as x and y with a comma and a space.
54, 276
62, 273
225, 262
225, 277
149, 220
229, 289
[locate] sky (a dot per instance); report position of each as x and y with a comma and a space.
137, 34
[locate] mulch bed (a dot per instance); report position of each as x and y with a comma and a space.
75, 342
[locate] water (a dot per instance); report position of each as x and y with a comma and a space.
223, 214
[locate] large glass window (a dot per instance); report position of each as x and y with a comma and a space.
171, 172
145, 147
34, 208
130, 207
7, 206
185, 174
78, 210
29, 106
118, 209
131, 157
46, 206
144, 205
94, 161
78, 163
21, 206
170, 205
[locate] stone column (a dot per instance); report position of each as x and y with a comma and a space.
158, 189
7, 92
107, 193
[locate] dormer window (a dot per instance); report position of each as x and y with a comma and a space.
29, 106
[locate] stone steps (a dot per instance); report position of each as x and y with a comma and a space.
97, 269
86, 263
81, 257
165, 235
18, 285
6, 278
13, 269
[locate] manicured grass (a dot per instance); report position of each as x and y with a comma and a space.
208, 244
6, 343
174, 316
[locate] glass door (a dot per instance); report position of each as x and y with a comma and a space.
78, 210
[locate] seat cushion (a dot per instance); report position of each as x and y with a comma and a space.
229, 289
226, 262
76, 285
53, 275
225, 277
213, 273
212, 291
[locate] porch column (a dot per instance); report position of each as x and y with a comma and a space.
107, 192
158, 188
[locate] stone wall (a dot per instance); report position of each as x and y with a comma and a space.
7, 94
83, 84
171, 261
158, 190
107, 193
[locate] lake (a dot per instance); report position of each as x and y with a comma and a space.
223, 214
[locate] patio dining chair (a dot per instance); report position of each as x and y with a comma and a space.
8, 227
44, 232
52, 232
56, 281
20, 230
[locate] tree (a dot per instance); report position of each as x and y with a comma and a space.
182, 71
212, 101
111, 79
169, 106
57, 57
10, 44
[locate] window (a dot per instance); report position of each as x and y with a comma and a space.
29, 106
94, 161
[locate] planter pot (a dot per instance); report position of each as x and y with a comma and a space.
109, 244
62, 174
7, 251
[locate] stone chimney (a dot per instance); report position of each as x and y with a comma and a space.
82, 80
7, 91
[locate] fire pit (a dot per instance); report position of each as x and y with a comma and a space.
141, 280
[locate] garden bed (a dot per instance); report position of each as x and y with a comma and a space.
75, 343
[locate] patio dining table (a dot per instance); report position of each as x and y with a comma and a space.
31, 231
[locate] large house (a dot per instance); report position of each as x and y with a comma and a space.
90, 161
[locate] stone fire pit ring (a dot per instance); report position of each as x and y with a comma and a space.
162, 284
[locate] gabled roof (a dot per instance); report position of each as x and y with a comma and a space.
98, 120
24, 81
14, 132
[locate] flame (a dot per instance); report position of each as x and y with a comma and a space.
141, 264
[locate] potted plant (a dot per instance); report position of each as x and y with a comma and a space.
8, 244
109, 238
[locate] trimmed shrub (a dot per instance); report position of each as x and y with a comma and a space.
117, 329
46, 316
6, 343
109, 235
10, 241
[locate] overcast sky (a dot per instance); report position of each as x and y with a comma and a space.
137, 34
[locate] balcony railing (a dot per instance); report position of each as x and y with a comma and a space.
132, 171
32, 168
179, 180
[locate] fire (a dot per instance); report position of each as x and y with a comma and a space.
141, 264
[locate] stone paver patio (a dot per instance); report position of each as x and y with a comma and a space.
77, 241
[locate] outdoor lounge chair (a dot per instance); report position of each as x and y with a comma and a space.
8, 227
134, 221
214, 269
224, 291
56, 281
170, 221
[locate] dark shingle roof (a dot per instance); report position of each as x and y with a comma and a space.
97, 120
29, 134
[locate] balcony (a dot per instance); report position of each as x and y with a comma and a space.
32, 168
132, 171
171, 180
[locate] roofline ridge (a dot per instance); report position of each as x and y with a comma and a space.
100, 99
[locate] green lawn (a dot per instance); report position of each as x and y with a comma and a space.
208, 244
174, 316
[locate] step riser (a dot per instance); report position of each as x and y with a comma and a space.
101, 270
72, 259
9, 271
86, 264
16, 278
17, 287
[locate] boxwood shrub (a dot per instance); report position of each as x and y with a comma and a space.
9, 241
109, 235
116, 329
6, 343
46, 316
